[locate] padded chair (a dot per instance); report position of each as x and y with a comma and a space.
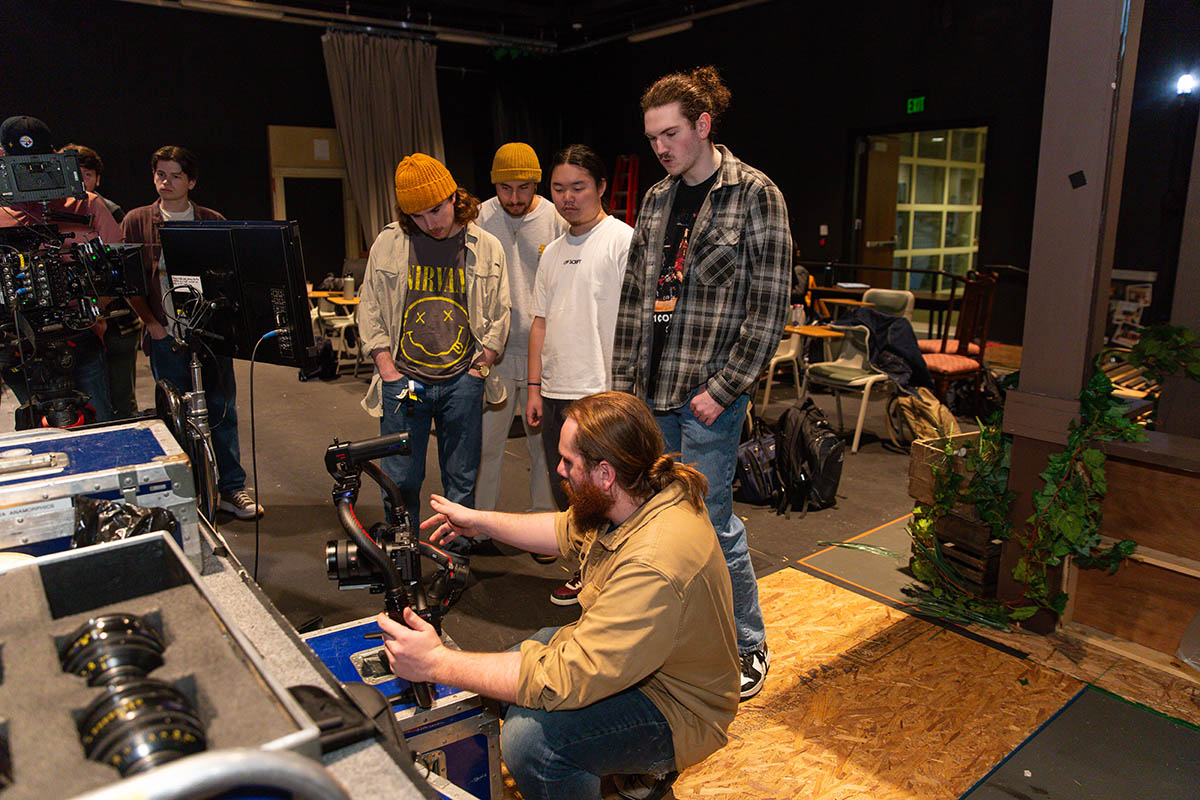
342, 332
851, 371
789, 352
962, 356
897, 302
974, 349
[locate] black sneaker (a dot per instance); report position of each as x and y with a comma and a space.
241, 505
568, 593
643, 787
755, 664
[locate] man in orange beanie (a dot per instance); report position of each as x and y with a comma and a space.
433, 314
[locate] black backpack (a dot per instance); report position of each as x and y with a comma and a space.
758, 481
808, 455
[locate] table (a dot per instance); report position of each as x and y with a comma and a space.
338, 300
316, 294
822, 332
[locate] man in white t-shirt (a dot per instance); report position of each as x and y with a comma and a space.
575, 299
525, 223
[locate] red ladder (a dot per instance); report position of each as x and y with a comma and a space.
623, 196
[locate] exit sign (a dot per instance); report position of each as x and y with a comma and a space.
916, 104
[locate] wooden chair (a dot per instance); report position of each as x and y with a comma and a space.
962, 356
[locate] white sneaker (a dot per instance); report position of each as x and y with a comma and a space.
754, 670
241, 505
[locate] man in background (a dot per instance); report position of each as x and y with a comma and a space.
174, 173
524, 222
124, 330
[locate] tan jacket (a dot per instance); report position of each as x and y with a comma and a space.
385, 285
657, 614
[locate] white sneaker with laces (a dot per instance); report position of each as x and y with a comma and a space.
755, 664
241, 505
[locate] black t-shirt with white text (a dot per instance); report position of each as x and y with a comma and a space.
688, 200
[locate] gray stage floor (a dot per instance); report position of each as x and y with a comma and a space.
508, 595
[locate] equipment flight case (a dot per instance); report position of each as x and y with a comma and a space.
458, 738
113, 659
42, 472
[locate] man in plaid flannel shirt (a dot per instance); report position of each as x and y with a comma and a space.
702, 311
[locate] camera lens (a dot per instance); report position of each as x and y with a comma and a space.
105, 649
138, 724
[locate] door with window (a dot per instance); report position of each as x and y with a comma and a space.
938, 204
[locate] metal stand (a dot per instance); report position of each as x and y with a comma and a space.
187, 414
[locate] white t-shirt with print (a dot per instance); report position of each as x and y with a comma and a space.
577, 291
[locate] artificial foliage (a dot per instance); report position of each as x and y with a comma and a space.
1065, 520
1165, 351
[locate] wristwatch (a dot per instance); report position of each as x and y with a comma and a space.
482, 369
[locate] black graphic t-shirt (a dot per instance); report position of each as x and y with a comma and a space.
688, 200
435, 341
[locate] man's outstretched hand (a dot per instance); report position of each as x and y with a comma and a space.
450, 520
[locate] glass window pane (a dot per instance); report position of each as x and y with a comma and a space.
961, 191
927, 229
964, 146
902, 230
903, 186
959, 230
959, 263
931, 144
923, 282
906, 144
983, 146
930, 185
899, 262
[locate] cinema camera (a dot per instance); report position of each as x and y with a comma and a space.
51, 289
388, 559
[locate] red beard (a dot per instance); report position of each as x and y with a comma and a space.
589, 504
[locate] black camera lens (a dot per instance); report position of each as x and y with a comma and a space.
114, 646
139, 724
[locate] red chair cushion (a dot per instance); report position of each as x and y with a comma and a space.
950, 364
935, 346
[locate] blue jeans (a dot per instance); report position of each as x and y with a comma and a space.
561, 754
220, 393
713, 450
456, 406
90, 377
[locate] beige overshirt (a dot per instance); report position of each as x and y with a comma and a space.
657, 613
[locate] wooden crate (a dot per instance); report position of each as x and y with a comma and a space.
929, 452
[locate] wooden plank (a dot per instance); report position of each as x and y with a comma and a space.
1132, 651
1155, 507
1147, 555
1142, 603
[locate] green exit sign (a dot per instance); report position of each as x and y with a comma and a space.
916, 104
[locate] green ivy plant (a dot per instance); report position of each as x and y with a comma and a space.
1165, 351
1065, 522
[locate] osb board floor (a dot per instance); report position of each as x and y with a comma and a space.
864, 701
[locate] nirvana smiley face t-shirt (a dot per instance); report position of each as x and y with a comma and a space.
435, 340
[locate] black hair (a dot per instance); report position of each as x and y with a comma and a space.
584, 157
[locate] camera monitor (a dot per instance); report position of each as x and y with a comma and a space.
39, 177
251, 278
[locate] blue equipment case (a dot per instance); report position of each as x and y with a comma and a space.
458, 739
43, 471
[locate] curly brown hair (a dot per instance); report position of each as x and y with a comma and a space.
698, 92
466, 209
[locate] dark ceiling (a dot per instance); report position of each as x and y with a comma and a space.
558, 24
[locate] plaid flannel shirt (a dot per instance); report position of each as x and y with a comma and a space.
733, 303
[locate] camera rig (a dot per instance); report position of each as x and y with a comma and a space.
388, 559
51, 290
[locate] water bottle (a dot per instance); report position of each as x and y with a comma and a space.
348, 287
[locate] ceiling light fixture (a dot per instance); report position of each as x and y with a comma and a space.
654, 33
240, 8
1186, 84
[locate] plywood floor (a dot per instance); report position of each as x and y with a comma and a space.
864, 701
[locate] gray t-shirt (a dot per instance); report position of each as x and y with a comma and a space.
435, 339
523, 239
